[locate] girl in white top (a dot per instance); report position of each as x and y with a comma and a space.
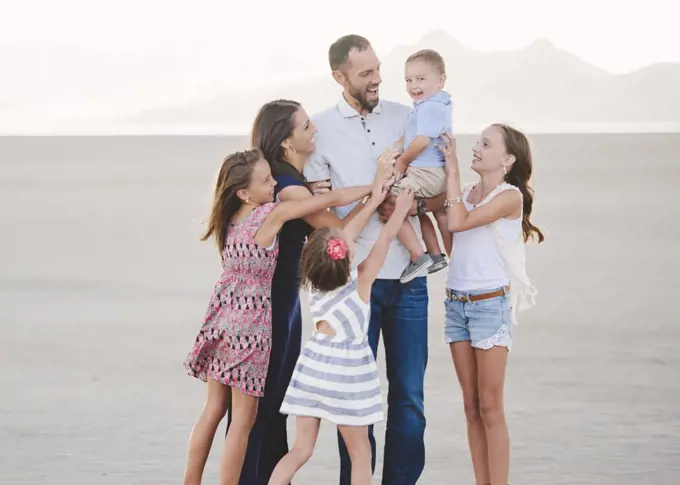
487, 283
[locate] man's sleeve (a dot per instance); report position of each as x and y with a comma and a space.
431, 120
317, 168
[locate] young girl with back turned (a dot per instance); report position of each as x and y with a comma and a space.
336, 377
231, 351
487, 284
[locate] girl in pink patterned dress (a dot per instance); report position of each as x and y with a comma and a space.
231, 351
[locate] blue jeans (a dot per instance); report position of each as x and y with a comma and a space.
485, 323
399, 311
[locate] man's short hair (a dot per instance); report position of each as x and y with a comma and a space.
431, 57
338, 53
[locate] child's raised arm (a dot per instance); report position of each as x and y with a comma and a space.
370, 267
459, 218
359, 220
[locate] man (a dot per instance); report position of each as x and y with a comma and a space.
351, 135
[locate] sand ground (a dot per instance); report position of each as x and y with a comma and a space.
103, 284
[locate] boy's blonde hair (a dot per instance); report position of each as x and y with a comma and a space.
430, 56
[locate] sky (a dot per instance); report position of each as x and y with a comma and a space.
611, 34
183, 50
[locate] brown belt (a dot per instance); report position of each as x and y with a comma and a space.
451, 295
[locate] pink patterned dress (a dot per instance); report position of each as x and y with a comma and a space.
234, 342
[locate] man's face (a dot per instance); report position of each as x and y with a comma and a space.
361, 77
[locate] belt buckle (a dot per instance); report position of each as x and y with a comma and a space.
453, 297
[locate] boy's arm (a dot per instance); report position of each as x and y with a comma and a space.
415, 148
430, 122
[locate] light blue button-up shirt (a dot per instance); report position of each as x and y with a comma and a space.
429, 117
347, 149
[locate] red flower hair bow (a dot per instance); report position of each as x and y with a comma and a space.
337, 249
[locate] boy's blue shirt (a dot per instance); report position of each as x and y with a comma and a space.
430, 117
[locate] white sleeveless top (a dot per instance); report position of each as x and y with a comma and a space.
492, 256
476, 262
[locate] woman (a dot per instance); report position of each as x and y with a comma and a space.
491, 222
284, 133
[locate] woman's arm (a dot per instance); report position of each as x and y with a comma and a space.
459, 218
370, 267
295, 209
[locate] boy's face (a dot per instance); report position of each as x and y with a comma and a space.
423, 80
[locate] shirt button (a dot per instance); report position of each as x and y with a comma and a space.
373, 143
368, 131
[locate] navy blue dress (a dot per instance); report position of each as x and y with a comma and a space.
268, 441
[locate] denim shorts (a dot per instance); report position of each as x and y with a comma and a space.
485, 323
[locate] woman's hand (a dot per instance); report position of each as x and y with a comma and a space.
320, 187
448, 149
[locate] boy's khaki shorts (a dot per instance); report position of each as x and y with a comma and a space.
425, 182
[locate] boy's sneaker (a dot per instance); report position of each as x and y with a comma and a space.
417, 268
438, 263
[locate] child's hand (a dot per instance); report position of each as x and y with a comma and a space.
380, 191
403, 204
448, 149
386, 165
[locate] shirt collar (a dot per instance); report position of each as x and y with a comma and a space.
441, 97
348, 112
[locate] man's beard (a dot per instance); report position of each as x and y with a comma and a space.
360, 97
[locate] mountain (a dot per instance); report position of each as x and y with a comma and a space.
57, 81
51, 87
537, 84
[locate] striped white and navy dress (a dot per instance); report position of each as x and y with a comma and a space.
336, 377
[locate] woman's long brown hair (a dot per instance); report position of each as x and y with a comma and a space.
273, 125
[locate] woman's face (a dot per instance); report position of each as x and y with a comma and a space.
302, 138
489, 153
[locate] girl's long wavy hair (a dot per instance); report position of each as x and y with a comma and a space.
517, 144
234, 175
